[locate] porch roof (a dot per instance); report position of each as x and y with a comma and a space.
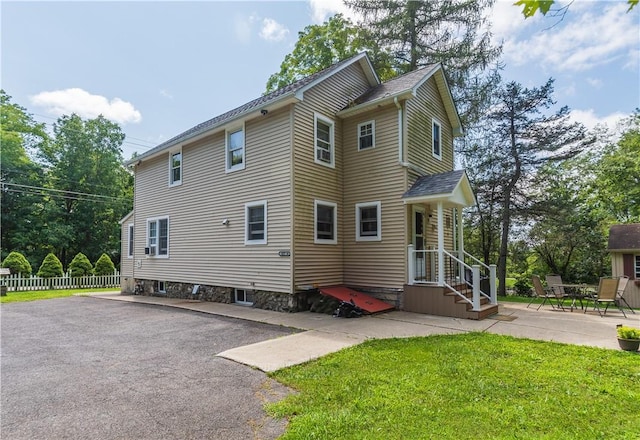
452, 188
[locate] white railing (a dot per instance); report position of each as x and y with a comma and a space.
17, 282
423, 268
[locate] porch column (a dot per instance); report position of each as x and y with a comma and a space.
440, 244
460, 242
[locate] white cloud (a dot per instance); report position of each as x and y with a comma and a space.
596, 83
591, 120
242, 26
166, 94
86, 105
321, 10
589, 35
272, 30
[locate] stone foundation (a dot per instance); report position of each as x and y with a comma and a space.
262, 299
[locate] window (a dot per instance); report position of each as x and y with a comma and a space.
437, 140
235, 149
326, 219
130, 241
175, 169
158, 237
637, 267
161, 286
244, 296
323, 134
368, 224
255, 223
366, 135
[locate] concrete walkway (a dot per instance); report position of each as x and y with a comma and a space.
323, 334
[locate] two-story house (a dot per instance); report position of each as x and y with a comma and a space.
334, 180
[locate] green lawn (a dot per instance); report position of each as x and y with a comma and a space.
468, 386
33, 295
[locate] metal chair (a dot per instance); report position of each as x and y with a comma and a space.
555, 282
622, 285
541, 292
607, 292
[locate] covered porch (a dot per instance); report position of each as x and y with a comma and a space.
442, 278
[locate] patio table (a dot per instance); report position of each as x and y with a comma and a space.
576, 292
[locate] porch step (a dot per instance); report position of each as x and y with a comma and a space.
485, 311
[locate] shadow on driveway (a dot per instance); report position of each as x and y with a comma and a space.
80, 368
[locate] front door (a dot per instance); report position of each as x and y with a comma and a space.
419, 244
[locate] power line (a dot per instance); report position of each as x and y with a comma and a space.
41, 173
66, 193
59, 196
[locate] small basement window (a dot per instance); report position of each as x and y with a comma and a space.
244, 297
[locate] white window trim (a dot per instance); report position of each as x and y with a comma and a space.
247, 241
436, 122
243, 303
130, 236
229, 131
332, 145
378, 236
156, 219
317, 240
373, 135
171, 154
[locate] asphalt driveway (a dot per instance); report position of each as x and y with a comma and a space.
80, 368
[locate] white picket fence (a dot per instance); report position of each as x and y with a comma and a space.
16, 282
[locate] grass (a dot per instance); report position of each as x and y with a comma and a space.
468, 386
33, 295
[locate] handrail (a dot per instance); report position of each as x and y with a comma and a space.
475, 260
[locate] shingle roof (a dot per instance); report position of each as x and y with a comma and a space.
624, 237
290, 89
396, 85
435, 184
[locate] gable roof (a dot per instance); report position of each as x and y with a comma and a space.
405, 87
624, 237
452, 188
290, 93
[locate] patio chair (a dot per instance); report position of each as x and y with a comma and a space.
539, 291
622, 285
607, 292
555, 282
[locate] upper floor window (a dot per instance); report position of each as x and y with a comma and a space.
324, 141
175, 168
130, 241
436, 134
325, 222
255, 223
158, 236
235, 150
366, 135
368, 224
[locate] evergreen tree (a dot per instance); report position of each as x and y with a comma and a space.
50, 267
17, 263
104, 265
80, 265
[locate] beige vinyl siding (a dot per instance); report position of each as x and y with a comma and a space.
632, 292
201, 249
371, 175
421, 110
126, 263
320, 264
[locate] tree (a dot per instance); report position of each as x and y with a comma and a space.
17, 263
89, 189
522, 137
80, 265
20, 136
320, 46
419, 33
104, 265
530, 7
50, 267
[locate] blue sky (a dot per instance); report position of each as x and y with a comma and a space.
159, 68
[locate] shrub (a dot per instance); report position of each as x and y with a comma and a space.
523, 285
80, 265
625, 332
104, 265
50, 267
17, 263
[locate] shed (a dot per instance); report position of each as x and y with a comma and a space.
624, 247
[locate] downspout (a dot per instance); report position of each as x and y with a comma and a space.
400, 131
